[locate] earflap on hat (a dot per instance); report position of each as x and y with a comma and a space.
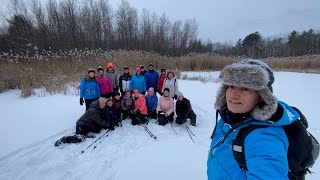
251, 74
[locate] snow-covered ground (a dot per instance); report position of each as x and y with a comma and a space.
30, 126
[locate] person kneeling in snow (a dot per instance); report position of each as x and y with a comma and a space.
152, 101
184, 110
165, 108
139, 112
93, 120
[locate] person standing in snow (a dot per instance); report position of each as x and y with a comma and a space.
152, 102
104, 83
165, 108
140, 111
89, 89
124, 80
162, 77
143, 70
138, 82
126, 104
184, 110
116, 100
172, 84
92, 121
110, 73
151, 77
245, 98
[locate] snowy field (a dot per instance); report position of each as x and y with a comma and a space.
29, 128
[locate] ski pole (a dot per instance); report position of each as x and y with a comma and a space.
95, 141
174, 129
149, 132
190, 130
190, 135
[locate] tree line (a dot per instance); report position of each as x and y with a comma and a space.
255, 46
93, 24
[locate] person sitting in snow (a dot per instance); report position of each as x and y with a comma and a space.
152, 102
116, 100
165, 108
140, 111
111, 114
126, 104
184, 110
92, 121
89, 89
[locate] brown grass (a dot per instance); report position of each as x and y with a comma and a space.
55, 72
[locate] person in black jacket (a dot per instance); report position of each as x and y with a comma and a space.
184, 110
92, 121
111, 114
124, 80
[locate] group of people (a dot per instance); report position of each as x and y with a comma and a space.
110, 100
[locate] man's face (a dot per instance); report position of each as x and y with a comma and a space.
170, 75
180, 98
102, 103
126, 71
241, 100
151, 68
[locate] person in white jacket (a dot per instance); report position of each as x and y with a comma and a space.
172, 84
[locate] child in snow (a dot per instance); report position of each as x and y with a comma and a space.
246, 98
165, 108
127, 104
93, 120
116, 100
152, 102
184, 110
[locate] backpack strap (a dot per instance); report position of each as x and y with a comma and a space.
238, 144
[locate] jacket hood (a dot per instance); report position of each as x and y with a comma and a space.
289, 115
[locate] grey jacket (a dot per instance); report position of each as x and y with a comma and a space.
94, 117
113, 78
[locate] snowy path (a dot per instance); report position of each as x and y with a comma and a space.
128, 152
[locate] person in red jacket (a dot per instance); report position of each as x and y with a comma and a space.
140, 110
104, 83
162, 77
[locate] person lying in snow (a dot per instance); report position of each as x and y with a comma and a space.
92, 121
184, 110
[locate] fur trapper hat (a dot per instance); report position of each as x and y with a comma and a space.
251, 74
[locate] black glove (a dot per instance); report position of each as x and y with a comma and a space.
175, 97
81, 101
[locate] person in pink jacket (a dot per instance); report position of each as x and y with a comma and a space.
140, 111
104, 83
165, 108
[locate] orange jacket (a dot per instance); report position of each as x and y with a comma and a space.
140, 104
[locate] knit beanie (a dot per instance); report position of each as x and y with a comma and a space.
179, 93
251, 74
91, 70
100, 69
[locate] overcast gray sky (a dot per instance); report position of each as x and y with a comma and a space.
229, 20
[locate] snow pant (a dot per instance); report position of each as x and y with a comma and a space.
84, 130
125, 114
137, 118
152, 114
189, 115
163, 120
88, 102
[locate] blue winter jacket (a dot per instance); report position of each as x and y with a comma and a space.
137, 82
152, 102
151, 78
89, 89
265, 150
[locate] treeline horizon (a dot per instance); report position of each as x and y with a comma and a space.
37, 29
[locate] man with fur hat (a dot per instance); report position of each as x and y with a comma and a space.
184, 110
245, 98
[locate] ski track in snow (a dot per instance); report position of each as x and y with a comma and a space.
128, 152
